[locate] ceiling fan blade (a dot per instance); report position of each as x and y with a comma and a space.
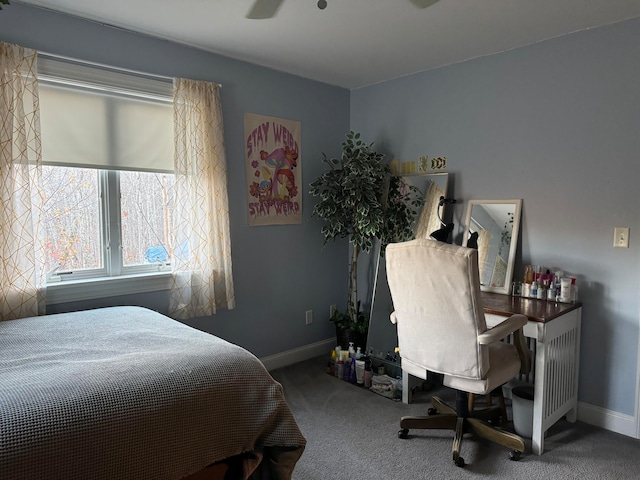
264, 9
423, 3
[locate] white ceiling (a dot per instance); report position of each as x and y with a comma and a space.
353, 43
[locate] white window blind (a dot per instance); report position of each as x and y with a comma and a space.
100, 118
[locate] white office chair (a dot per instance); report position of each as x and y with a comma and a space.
435, 288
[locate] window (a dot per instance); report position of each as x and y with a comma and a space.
107, 145
87, 235
73, 239
146, 210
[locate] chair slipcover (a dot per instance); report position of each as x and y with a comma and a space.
435, 289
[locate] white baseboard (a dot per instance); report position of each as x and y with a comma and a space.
607, 419
299, 354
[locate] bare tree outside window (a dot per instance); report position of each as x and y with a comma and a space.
71, 218
146, 210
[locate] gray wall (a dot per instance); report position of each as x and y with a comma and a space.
279, 271
556, 124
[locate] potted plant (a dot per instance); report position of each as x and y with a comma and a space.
361, 200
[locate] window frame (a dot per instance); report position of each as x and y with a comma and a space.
113, 279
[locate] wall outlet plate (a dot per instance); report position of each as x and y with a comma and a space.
621, 237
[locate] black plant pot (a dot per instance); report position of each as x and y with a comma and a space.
345, 335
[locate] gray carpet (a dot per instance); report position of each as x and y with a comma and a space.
352, 434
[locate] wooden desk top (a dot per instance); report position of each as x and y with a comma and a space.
536, 310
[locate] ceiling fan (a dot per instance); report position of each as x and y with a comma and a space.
262, 9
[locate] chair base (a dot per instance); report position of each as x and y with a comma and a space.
488, 401
480, 422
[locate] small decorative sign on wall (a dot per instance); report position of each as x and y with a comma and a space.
273, 169
430, 165
423, 165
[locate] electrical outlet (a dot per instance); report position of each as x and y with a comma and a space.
308, 318
332, 310
621, 237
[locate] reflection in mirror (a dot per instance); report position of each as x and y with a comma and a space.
433, 187
383, 337
492, 227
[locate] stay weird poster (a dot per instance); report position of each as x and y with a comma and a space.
273, 169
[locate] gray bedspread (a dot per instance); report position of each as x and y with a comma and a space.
127, 393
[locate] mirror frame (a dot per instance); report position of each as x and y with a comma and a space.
517, 203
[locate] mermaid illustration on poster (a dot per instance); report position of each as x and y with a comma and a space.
272, 154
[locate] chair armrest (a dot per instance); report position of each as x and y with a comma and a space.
501, 330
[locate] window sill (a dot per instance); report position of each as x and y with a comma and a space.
88, 289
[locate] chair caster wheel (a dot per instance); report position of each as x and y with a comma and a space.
432, 411
404, 433
459, 461
515, 455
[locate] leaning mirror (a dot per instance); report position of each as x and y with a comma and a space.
383, 337
493, 226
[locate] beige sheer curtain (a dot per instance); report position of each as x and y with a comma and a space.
202, 279
22, 290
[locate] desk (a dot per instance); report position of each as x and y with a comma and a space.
555, 327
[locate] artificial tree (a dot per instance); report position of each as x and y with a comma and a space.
361, 200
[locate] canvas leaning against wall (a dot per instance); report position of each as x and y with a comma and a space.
272, 156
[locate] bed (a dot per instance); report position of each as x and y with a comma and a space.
128, 393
